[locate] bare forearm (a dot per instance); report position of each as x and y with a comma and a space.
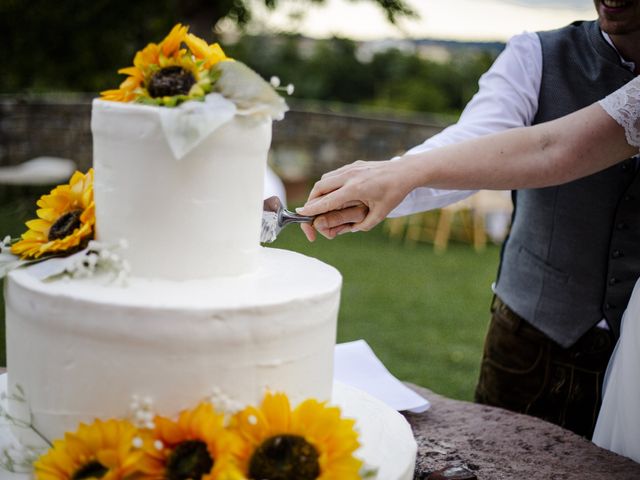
547, 154
363, 193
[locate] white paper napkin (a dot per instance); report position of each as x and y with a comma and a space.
186, 125
356, 364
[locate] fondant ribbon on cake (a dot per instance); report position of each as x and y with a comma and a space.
188, 124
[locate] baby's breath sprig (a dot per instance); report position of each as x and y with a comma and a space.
7, 242
275, 83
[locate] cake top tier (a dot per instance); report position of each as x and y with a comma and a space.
180, 153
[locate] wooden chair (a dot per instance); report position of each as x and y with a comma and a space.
437, 227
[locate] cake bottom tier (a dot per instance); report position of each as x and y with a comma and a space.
387, 442
82, 349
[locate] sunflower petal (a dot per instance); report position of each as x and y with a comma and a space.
38, 225
172, 42
48, 214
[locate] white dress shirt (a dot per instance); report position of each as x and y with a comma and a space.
507, 98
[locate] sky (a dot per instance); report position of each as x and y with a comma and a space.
479, 20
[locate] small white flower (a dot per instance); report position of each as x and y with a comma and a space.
252, 419
158, 445
137, 442
290, 89
92, 260
275, 82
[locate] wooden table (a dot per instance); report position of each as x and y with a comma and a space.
496, 444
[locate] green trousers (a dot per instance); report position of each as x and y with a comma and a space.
524, 371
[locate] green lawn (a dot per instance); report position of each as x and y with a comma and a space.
423, 314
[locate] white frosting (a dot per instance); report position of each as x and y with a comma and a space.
196, 217
175, 342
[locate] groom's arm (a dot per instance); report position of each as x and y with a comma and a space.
507, 98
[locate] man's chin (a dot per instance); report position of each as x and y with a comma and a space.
624, 19
618, 28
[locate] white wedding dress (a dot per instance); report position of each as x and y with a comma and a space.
618, 426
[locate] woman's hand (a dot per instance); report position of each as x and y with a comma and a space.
355, 197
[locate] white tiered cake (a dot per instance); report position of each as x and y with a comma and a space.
207, 308
207, 312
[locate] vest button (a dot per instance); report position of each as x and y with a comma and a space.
613, 281
616, 254
622, 226
609, 306
624, 167
628, 198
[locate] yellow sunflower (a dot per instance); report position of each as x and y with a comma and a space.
101, 450
66, 220
167, 74
196, 446
310, 442
209, 54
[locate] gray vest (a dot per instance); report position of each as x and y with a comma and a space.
573, 254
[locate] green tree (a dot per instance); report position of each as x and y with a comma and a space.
330, 70
334, 73
404, 80
79, 44
240, 11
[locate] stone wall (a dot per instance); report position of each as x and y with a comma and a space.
310, 141
59, 127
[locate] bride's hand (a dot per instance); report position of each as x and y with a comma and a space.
355, 197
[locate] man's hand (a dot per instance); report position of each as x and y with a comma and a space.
355, 197
335, 222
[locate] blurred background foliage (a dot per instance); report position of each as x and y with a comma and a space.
78, 46
332, 70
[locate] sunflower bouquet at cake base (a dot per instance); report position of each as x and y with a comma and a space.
268, 441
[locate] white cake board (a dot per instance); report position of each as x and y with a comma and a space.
386, 437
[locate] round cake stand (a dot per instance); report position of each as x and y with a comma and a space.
386, 439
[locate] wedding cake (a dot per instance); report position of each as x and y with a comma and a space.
191, 307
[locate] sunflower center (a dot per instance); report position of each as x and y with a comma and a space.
285, 457
189, 460
170, 81
65, 225
92, 469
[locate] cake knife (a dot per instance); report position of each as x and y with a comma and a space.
275, 217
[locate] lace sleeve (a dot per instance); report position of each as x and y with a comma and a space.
624, 106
